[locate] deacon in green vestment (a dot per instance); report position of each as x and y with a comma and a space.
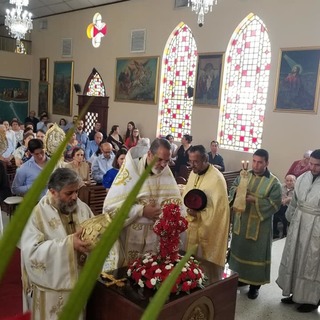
250, 254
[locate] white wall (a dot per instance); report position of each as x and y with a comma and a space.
290, 24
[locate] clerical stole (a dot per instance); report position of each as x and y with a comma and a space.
138, 237
208, 231
252, 230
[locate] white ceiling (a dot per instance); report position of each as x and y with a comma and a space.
43, 8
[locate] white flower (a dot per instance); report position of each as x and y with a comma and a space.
129, 273
184, 269
154, 263
195, 271
168, 266
143, 272
158, 271
187, 265
140, 283
153, 281
145, 261
200, 281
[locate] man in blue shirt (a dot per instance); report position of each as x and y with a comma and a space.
93, 146
214, 158
103, 162
29, 171
81, 135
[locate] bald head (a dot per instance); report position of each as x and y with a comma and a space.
98, 137
106, 149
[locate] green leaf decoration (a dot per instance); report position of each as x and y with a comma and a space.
14, 229
93, 266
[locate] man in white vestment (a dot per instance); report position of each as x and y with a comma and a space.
52, 252
160, 188
299, 271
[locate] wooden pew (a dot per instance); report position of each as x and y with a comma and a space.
93, 196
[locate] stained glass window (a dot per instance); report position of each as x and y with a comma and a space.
245, 86
95, 85
177, 80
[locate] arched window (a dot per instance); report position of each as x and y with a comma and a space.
245, 86
177, 83
95, 85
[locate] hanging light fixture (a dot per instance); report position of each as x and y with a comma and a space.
201, 7
17, 21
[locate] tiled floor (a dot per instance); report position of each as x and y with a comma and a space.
267, 306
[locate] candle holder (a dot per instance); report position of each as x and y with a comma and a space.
245, 165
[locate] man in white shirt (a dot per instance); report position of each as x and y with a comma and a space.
103, 162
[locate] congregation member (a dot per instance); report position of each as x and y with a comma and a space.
7, 134
115, 138
250, 252
32, 119
81, 135
174, 147
62, 123
103, 161
208, 219
300, 166
73, 143
21, 154
280, 216
52, 252
42, 124
110, 175
130, 126
214, 157
97, 128
72, 124
29, 171
137, 236
40, 134
15, 127
182, 156
80, 166
133, 139
300, 263
93, 146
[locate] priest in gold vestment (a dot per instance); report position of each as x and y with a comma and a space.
160, 188
52, 252
209, 226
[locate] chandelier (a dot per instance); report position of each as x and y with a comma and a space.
17, 21
201, 7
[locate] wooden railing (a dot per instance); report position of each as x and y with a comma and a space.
93, 196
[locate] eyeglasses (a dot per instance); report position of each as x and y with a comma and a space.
193, 162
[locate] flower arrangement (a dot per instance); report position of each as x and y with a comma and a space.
151, 270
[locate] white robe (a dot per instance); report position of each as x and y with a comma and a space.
138, 237
299, 271
49, 263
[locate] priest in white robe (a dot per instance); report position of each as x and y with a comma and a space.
52, 252
160, 188
299, 271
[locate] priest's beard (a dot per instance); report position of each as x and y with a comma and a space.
66, 207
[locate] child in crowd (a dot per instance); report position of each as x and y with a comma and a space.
280, 216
